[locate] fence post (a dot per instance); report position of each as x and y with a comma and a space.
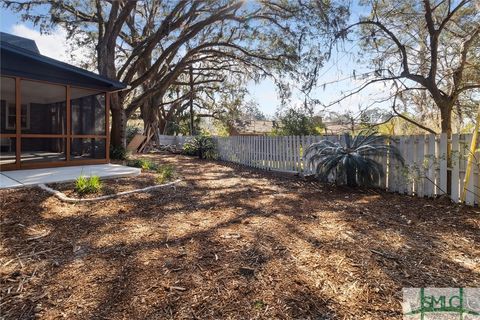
297, 154
420, 162
269, 153
401, 176
430, 156
455, 194
411, 162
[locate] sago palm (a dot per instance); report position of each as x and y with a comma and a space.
351, 160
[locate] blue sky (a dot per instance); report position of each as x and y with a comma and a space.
340, 66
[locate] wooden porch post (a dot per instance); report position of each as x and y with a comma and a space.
18, 123
107, 125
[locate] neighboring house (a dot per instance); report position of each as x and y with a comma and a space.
51, 113
252, 127
334, 128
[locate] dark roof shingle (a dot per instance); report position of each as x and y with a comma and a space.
21, 58
27, 44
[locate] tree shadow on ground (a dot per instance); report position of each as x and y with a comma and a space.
230, 243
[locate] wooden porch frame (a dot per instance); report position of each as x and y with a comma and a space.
68, 135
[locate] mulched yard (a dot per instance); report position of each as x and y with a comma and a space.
230, 243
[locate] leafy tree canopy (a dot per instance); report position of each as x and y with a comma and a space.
298, 122
157, 47
427, 52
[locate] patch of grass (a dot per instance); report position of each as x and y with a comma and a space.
165, 173
85, 185
259, 304
144, 164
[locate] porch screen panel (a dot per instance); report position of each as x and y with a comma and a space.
7, 106
43, 108
7, 154
88, 112
7, 121
88, 148
43, 150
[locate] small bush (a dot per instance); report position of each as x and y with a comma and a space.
210, 154
118, 153
165, 173
144, 164
84, 185
201, 146
189, 149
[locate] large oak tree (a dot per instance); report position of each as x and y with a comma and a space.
152, 45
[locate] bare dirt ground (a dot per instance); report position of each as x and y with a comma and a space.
230, 243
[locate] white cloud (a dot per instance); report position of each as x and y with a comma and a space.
52, 45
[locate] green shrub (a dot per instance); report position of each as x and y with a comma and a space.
190, 149
144, 164
118, 153
84, 185
165, 173
200, 146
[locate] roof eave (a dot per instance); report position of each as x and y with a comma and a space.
111, 85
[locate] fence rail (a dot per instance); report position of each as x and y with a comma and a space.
424, 174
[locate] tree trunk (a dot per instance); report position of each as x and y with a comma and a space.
118, 137
118, 134
106, 67
351, 174
162, 124
151, 117
446, 125
192, 125
446, 120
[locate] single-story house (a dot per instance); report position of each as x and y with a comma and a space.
336, 128
51, 113
250, 127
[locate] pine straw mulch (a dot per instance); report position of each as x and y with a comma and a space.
230, 243
109, 186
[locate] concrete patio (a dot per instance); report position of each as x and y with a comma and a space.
22, 178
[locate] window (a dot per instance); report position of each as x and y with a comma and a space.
11, 117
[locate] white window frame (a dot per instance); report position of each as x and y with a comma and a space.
7, 116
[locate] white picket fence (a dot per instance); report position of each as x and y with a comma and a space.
424, 173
